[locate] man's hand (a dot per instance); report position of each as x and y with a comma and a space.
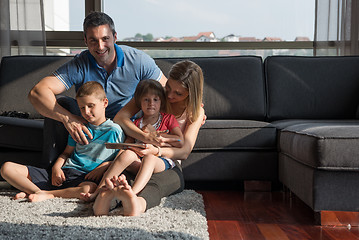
75, 125
58, 177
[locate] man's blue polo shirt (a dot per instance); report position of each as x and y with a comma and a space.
133, 66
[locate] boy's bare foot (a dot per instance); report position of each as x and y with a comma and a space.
20, 195
87, 197
40, 196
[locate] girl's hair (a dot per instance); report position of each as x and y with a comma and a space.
150, 86
190, 75
91, 88
95, 19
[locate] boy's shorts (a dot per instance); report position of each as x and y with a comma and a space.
42, 178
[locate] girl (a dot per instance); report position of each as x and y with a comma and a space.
184, 91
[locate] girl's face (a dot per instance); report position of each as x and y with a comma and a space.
175, 92
150, 104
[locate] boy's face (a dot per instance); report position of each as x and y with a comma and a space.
93, 109
150, 104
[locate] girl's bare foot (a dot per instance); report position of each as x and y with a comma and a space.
110, 183
132, 205
40, 196
20, 195
102, 203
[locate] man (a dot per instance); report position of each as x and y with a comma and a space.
118, 69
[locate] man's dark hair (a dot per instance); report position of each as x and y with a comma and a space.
95, 19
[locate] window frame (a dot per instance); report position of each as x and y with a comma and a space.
74, 39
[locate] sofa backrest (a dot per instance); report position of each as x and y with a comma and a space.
312, 87
18, 74
233, 86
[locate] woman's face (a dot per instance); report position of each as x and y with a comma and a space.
175, 92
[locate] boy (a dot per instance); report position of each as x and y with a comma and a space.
79, 167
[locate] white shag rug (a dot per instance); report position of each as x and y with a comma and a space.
180, 216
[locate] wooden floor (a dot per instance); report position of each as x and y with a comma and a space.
265, 215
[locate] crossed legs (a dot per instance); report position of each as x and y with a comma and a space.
18, 176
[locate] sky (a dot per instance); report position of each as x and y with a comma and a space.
286, 19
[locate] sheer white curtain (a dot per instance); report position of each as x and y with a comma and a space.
336, 27
22, 27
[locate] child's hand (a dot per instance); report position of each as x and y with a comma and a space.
148, 128
58, 177
97, 173
150, 149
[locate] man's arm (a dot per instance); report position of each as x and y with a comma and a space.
163, 79
42, 97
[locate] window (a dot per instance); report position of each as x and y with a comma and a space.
185, 28
64, 15
212, 21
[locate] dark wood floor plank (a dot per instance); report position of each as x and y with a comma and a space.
272, 232
228, 230
339, 233
250, 231
265, 215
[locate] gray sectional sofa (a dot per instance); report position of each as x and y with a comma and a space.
283, 119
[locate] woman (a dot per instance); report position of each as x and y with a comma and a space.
184, 91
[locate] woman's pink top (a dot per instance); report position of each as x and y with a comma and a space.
182, 121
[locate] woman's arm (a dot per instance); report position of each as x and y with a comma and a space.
123, 118
190, 137
174, 138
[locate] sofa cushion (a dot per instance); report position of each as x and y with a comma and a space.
18, 74
330, 146
26, 134
312, 87
233, 86
282, 124
236, 134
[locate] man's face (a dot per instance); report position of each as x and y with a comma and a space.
100, 42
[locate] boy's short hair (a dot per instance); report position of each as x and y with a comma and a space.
91, 88
150, 86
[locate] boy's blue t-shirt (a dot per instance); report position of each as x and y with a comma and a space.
85, 158
133, 66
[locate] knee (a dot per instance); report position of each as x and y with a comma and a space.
89, 187
149, 158
6, 168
